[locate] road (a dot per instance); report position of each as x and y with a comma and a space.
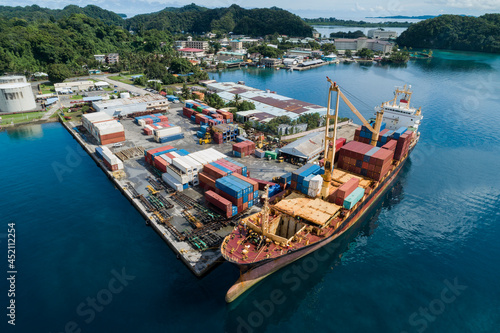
120, 85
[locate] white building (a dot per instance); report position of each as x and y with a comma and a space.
16, 94
124, 106
73, 86
100, 57
382, 34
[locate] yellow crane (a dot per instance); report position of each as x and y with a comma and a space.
330, 151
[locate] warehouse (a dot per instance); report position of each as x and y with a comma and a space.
305, 149
16, 94
266, 102
65, 87
124, 106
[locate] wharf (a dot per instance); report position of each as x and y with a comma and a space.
136, 172
299, 68
198, 262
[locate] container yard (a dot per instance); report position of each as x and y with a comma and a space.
193, 173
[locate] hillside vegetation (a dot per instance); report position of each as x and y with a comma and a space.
193, 18
454, 32
37, 13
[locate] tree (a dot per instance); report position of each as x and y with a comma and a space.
186, 93
237, 99
348, 53
58, 73
155, 70
328, 48
365, 53
180, 66
214, 100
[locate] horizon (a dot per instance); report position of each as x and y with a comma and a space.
359, 10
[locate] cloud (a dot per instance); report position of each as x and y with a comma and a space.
472, 4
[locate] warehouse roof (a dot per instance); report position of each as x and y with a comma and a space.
128, 101
307, 146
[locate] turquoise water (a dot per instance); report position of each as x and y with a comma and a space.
424, 259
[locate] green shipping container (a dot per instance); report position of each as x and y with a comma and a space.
353, 198
272, 154
199, 109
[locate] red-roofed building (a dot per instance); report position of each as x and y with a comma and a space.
189, 52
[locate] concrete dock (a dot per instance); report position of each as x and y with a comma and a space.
137, 172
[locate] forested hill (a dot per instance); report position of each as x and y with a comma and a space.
37, 13
454, 32
192, 18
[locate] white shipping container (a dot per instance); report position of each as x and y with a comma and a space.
109, 156
119, 164
312, 192
162, 132
183, 165
141, 122
182, 178
172, 182
216, 153
198, 157
316, 182
197, 166
209, 158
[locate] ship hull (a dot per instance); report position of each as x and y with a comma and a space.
252, 274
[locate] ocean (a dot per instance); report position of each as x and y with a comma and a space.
425, 259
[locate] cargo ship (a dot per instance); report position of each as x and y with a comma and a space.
323, 203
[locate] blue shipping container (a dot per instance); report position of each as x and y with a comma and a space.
372, 151
398, 132
182, 152
172, 137
98, 152
353, 198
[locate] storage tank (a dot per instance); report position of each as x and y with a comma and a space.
16, 94
124, 95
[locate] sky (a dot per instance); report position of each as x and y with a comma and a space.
357, 9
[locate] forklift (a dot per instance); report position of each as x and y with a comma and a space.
206, 139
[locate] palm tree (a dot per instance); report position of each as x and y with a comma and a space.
237, 100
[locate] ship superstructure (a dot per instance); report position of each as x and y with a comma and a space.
398, 112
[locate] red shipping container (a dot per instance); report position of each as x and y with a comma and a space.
213, 172
345, 189
207, 181
110, 167
238, 169
245, 206
234, 201
219, 202
293, 184
391, 145
251, 181
160, 164
150, 152
229, 166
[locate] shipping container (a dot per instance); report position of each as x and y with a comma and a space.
172, 182
345, 190
353, 198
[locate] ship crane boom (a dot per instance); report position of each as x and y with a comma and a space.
330, 151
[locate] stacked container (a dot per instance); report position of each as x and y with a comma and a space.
363, 134
366, 160
223, 204
239, 190
150, 119
352, 199
403, 145
243, 148
259, 153
300, 174
111, 162
103, 128
344, 191
167, 134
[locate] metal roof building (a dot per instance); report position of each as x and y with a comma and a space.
265, 101
124, 106
306, 148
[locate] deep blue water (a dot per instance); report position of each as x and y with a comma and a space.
438, 227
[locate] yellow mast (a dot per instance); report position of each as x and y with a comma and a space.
330, 152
